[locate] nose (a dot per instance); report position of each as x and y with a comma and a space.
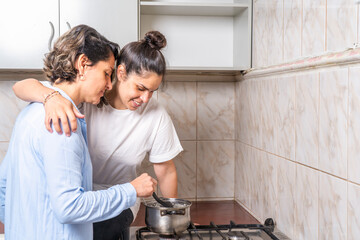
145, 97
108, 84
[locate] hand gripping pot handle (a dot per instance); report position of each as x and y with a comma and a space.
172, 212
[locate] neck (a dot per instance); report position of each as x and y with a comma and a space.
72, 90
114, 99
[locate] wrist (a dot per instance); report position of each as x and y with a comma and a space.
48, 96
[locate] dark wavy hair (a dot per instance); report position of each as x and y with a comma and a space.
59, 63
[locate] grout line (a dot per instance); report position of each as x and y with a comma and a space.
316, 169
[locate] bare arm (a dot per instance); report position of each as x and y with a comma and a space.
167, 177
57, 109
31, 90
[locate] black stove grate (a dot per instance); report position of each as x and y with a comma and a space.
232, 230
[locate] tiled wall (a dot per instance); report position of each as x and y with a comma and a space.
298, 133
288, 29
203, 115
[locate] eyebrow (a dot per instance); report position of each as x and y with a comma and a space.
147, 88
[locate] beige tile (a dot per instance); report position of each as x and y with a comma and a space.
286, 117
341, 24
243, 106
261, 30
241, 172
306, 203
185, 164
292, 29
333, 122
332, 207
307, 119
285, 196
239, 109
255, 175
215, 169
269, 174
179, 99
354, 125
313, 22
10, 107
253, 110
275, 31
269, 113
215, 111
353, 211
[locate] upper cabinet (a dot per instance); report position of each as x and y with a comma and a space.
117, 20
201, 34
29, 28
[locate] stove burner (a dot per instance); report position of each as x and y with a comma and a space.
235, 235
230, 231
171, 237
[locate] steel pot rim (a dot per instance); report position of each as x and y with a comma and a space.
154, 204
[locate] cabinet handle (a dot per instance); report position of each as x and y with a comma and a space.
51, 35
68, 24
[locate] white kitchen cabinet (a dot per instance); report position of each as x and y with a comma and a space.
203, 34
26, 29
117, 20
27, 26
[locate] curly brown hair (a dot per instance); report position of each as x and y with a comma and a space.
59, 63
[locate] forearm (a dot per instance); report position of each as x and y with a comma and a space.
167, 178
73, 207
68, 178
31, 90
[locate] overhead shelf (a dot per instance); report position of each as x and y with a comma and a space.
201, 35
191, 9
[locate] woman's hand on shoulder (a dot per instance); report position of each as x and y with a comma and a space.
60, 111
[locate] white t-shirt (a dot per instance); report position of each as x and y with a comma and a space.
119, 140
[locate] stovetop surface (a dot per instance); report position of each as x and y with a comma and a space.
215, 232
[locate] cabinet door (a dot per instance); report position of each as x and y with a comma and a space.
117, 20
26, 31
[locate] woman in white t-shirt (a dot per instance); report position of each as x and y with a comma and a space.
128, 125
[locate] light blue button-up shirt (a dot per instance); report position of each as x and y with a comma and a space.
46, 183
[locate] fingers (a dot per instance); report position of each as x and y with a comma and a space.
56, 125
62, 115
77, 113
48, 124
144, 185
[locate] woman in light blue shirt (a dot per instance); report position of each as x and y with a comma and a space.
46, 179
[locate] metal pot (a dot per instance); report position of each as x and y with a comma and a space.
165, 220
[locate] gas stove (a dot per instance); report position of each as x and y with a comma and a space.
212, 231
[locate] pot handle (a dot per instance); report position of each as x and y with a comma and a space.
172, 212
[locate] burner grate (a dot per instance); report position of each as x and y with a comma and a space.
213, 231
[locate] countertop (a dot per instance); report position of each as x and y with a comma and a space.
202, 212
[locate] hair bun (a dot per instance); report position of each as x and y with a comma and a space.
155, 40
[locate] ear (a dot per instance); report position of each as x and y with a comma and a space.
80, 65
121, 72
